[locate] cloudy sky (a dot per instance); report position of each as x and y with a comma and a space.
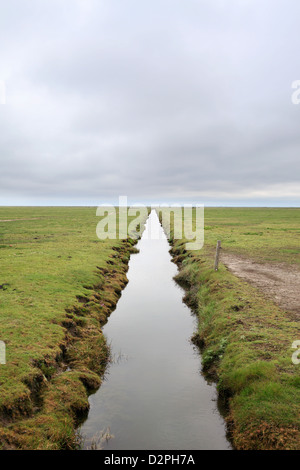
161, 100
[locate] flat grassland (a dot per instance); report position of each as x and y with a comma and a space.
245, 336
58, 284
264, 234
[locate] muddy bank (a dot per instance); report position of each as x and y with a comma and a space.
47, 417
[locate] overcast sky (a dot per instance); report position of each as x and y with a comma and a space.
161, 100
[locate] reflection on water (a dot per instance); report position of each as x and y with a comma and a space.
153, 396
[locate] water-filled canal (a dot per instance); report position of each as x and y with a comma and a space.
154, 396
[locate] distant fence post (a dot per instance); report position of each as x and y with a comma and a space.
217, 255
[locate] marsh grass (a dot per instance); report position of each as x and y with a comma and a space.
264, 234
99, 440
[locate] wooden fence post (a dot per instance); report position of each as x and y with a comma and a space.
217, 255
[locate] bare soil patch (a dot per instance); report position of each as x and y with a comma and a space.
279, 282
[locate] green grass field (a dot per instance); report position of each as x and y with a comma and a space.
58, 284
264, 234
245, 339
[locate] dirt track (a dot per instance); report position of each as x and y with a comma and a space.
279, 282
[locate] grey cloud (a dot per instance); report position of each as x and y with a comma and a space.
156, 100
